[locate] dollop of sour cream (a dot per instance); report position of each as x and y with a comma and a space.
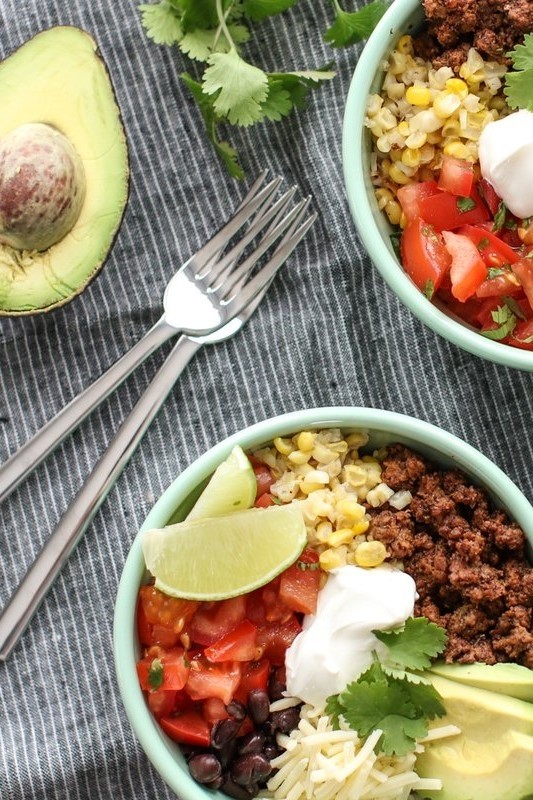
506, 160
336, 644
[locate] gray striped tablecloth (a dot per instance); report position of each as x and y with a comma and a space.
329, 333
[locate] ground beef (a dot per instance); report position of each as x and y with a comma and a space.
493, 27
468, 560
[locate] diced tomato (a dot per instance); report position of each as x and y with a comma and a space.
299, 584
255, 676
494, 251
466, 311
424, 256
144, 628
412, 194
456, 176
264, 501
446, 211
160, 609
264, 479
523, 269
240, 644
169, 666
275, 609
161, 702
488, 193
522, 336
468, 270
163, 636
499, 286
213, 710
213, 680
213, 620
188, 727
274, 639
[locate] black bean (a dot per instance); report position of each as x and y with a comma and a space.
253, 742
271, 750
276, 686
284, 721
216, 784
236, 710
224, 730
205, 768
258, 706
239, 792
227, 753
251, 768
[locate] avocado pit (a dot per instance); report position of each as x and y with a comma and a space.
42, 186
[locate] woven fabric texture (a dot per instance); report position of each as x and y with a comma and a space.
329, 332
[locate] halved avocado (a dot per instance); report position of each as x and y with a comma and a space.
58, 78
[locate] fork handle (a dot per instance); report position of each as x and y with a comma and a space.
27, 458
58, 547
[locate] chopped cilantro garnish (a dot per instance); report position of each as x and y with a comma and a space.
500, 217
482, 244
465, 204
155, 673
495, 272
513, 306
389, 696
395, 240
429, 289
505, 320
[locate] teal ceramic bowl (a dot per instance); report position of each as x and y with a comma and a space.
403, 16
383, 427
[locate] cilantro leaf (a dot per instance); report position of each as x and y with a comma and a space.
198, 13
425, 699
429, 289
465, 204
414, 645
260, 9
499, 217
240, 87
518, 81
201, 43
506, 321
352, 27
369, 706
155, 674
288, 90
161, 22
223, 149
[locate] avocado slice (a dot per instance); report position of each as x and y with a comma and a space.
492, 757
513, 680
58, 78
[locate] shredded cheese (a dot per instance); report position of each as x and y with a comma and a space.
320, 763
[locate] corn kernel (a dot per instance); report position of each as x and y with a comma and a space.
405, 45
323, 531
383, 196
355, 475
307, 488
418, 95
445, 104
370, 554
360, 527
393, 211
306, 441
455, 149
403, 128
342, 536
330, 559
411, 158
283, 446
350, 509
457, 86
416, 139
396, 154
356, 440
297, 457
396, 175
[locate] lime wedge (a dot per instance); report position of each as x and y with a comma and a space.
219, 557
232, 487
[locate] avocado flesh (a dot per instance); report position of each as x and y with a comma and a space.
510, 679
59, 79
492, 757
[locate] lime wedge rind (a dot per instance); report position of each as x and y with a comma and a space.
221, 557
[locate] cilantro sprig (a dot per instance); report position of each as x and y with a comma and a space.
393, 695
228, 88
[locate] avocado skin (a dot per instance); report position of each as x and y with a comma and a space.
513, 680
59, 78
492, 757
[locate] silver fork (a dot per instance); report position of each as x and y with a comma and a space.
211, 288
28, 596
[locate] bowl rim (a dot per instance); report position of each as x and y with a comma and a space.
386, 32
164, 754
